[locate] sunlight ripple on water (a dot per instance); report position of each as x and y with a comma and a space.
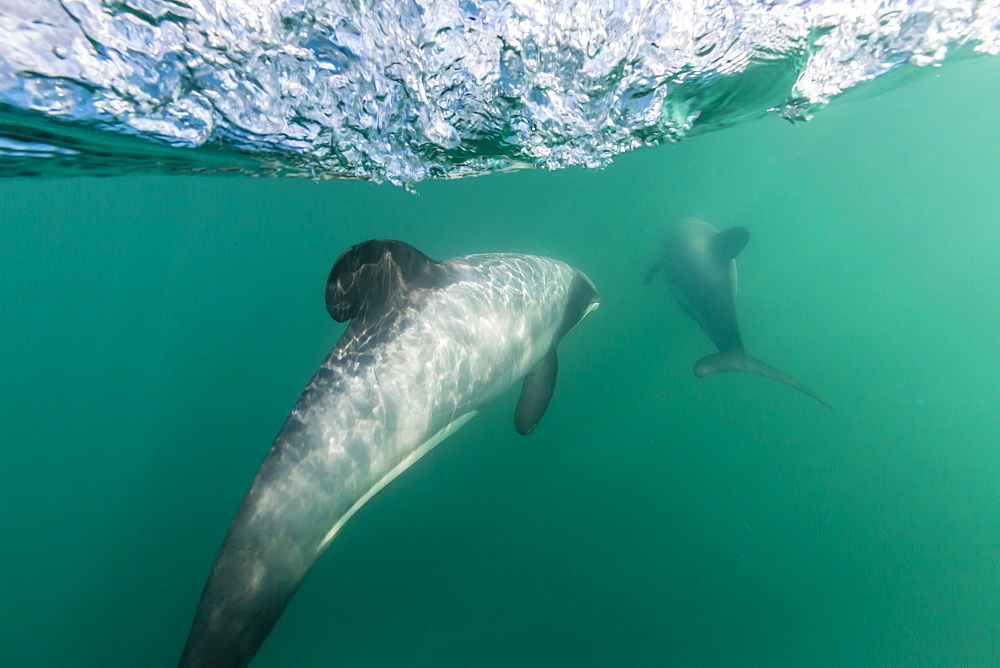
402, 91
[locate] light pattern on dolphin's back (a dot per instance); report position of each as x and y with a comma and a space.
404, 375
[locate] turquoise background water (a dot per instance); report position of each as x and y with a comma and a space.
155, 332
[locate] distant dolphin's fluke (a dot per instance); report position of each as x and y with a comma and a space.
738, 360
698, 261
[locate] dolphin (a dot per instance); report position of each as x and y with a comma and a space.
428, 346
698, 262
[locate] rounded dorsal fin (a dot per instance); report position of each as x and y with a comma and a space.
729, 243
367, 275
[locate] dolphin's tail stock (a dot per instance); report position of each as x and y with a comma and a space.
738, 360
251, 582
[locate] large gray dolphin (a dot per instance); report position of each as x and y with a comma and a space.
698, 262
429, 345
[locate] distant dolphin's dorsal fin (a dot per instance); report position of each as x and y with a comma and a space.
366, 275
729, 243
536, 391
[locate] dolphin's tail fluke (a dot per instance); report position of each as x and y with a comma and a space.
738, 360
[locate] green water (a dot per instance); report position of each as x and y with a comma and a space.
155, 332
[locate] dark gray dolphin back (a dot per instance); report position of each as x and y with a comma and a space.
698, 261
715, 298
366, 276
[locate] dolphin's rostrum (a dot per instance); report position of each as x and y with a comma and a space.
698, 262
429, 345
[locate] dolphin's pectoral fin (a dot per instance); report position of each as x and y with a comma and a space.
729, 243
536, 391
737, 360
653, 271
368, 274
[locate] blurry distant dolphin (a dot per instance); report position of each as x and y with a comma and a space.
429, 345
698, 262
